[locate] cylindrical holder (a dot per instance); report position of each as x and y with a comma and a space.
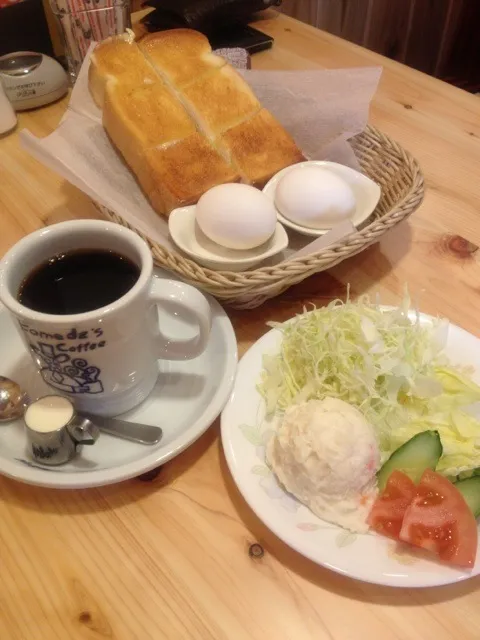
54, 430
80, 26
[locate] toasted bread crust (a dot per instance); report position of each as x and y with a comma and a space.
260, 147
181, 56
120, 58
220, 100
150, 115
181, 172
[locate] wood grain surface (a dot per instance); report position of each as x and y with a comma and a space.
170, 555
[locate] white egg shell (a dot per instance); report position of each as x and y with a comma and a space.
314, 197
236, 216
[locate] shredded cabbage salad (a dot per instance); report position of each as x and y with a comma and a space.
385, 362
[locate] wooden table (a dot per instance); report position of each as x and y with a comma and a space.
170, 556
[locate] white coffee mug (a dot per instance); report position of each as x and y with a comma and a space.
105, 360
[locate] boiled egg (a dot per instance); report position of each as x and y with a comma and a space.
314, 197
236, 216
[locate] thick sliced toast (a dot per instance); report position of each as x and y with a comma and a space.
183, 119
260, 147
142, 118
118, 57
220, 100
178, 174
182, 56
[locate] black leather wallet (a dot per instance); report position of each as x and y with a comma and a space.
207, 16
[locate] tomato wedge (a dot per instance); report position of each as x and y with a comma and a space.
386, 516
439, 520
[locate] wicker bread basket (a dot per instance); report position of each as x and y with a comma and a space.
382, 159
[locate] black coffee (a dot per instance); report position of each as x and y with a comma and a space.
78, 281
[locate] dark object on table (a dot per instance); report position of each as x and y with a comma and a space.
23, 27
237, 35
241, 36
222, 21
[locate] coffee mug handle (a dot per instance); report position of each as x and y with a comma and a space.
188, 303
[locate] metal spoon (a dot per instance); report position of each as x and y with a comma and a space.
14, 401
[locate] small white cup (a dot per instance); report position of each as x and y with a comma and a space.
104, 360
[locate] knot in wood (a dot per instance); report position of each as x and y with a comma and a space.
256, 551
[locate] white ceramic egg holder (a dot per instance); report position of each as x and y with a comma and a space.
190, 239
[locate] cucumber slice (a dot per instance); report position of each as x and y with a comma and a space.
421, 452
470, 490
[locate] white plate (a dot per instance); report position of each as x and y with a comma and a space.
188, 237
366, 557
367, 193
187, 399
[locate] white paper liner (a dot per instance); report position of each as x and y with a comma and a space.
320, 109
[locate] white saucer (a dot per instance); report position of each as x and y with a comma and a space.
187, 399
367, 193
188, 236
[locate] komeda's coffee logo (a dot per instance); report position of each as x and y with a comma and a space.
59, 370
57, 361
91, 338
